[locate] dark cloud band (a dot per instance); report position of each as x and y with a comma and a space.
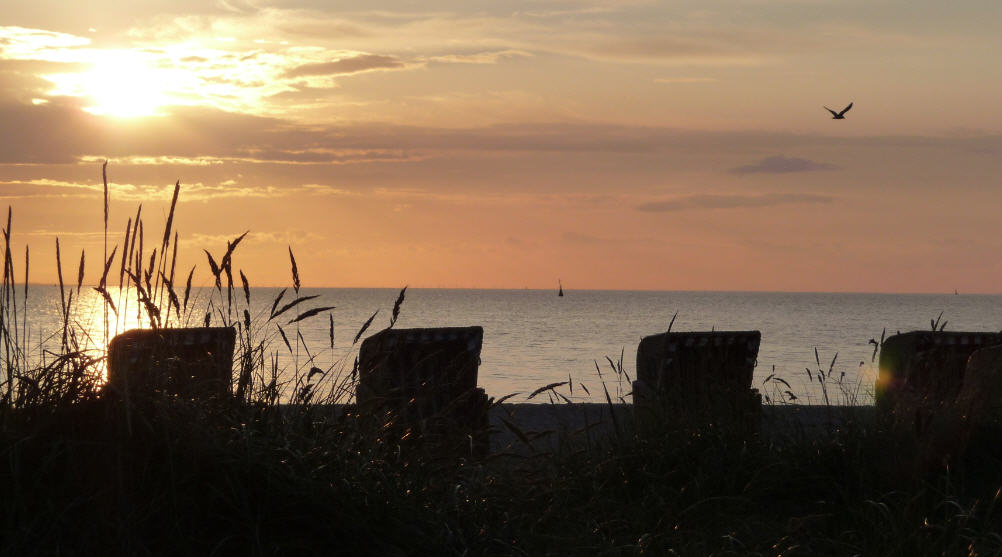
689, 202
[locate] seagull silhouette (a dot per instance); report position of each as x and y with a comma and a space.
839, 115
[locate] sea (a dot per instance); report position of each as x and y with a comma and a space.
534, 338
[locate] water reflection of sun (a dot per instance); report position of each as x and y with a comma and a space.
96, 323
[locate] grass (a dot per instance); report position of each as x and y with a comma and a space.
275, 471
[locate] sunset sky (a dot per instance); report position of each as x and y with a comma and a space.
612, 145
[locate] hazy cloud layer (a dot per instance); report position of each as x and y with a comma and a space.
58, 132
688, 202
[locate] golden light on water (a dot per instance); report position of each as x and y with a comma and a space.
89, 320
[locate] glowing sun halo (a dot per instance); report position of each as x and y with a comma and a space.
122, 84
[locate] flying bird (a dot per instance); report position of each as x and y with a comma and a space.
839, 115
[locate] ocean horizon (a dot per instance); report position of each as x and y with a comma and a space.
534, 338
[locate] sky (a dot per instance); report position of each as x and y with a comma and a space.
468, 144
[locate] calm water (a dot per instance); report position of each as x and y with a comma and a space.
532, 337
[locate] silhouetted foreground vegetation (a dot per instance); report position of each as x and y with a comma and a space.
274, 471
196, 478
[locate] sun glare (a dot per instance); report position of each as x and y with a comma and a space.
123, 84
119, 83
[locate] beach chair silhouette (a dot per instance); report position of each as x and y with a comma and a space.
423, 383
189, 362
700, 375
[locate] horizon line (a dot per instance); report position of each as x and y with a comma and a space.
68, 286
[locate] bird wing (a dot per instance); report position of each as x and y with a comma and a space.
844, 110
832, 111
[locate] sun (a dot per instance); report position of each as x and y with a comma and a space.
119, 83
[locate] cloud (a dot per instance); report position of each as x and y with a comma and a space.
285, 238
22, 43
782, 165
258, 156
163, 160
349, 65
44, 182
45, 188
193, 191
300, 94
62, 233
733, 201
480, 57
